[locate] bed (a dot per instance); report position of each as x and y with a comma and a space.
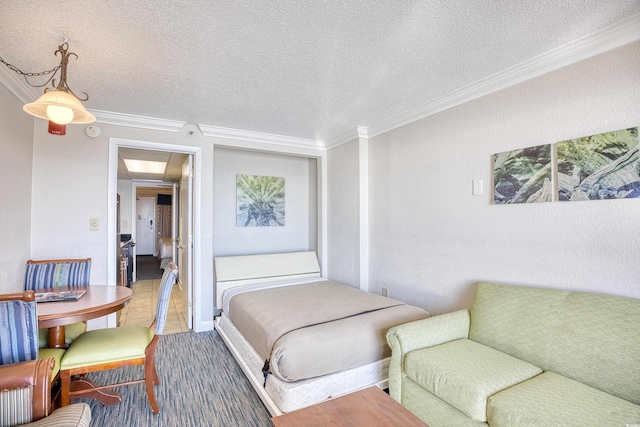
295, 354
165, 251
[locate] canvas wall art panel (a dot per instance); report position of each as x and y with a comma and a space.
597, 167
260, 201
522, 176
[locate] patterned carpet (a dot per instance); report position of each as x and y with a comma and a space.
200, 385
148, 268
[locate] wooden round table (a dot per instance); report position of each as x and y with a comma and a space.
98, 301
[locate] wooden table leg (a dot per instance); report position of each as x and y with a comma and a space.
106, 397
55, 338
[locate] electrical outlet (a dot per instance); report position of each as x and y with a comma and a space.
385, 292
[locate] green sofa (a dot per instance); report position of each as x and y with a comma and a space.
522, 356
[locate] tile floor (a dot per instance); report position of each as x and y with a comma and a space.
142, 308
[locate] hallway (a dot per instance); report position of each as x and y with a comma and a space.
142, 308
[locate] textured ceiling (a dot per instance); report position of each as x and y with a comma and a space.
300, 68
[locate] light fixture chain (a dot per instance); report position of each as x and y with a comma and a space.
52, 71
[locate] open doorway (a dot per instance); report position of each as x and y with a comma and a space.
148, 218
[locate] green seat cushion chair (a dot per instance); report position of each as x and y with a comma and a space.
107, 345
554, 400
464, 374
56, 353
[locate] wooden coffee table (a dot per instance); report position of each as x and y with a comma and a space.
368, 407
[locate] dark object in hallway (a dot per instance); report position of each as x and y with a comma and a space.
148, 268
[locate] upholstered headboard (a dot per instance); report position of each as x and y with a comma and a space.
232, 271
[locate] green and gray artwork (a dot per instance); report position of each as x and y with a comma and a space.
522, 176
603, 166
260, 201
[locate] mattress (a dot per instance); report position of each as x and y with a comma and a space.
165, 251
316, 329
165, 247
282, 397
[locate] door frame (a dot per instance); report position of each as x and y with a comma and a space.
114, 145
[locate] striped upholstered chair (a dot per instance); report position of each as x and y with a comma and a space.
19, 337
110, 348
53, 273
25, 398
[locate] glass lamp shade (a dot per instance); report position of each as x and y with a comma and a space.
59, 107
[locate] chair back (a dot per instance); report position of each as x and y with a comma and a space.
51, 273
18, 317
164, 296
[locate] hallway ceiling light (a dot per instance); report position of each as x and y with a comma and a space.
59, 106
145, 166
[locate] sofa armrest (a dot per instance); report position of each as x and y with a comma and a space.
423, 333
36, 374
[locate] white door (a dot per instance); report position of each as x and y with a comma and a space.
174, 222
185, 241
145, 226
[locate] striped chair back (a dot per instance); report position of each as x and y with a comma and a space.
164, 296
52, 273
19, 326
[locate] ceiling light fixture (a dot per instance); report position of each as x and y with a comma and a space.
145, 166
59, 106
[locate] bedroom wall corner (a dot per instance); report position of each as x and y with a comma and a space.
16, 165
343, 213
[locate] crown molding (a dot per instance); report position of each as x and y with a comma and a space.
609, 38
17, 85
343, 138
142, 122
264, 138
363, 131
353, 134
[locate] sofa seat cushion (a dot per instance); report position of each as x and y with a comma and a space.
553, 400
465, 373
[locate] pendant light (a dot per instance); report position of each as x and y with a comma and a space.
60, 106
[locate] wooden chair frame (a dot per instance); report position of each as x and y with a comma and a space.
54, 261
82, 387
27, 296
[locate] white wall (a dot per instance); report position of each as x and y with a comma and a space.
430, 239
70, 186
294, 236
344, 214
16, 145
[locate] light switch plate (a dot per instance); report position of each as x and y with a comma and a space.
477, 187
94, 224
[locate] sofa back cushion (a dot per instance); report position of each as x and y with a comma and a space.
597, 342
516, 320
590, 338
